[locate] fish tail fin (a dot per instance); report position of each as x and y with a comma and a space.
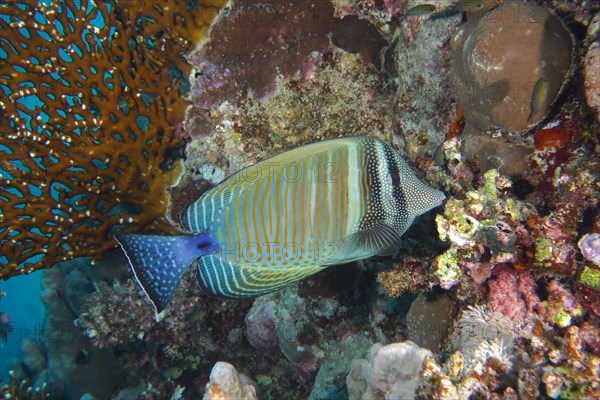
159, 262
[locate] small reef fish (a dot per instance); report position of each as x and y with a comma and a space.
538, 96
421, 9
286, 218
474, 6
474, 9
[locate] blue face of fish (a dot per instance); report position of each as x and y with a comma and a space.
286, 218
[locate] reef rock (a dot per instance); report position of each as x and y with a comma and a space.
261, 327
227, 384
73, 366
330, 382
510, 159
497, 61
589, 245
428, 320
591, 69
391, 370
254, 42
422, 65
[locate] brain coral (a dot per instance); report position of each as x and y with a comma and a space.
90, 94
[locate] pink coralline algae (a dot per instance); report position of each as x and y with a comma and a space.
254, 42
590, 247
592, 73
214, 83
261, 328
561, 306
513, 294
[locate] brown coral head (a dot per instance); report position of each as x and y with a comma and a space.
510, 67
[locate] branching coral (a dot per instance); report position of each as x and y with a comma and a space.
90, 96
21, 390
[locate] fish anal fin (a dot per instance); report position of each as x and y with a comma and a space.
219, 277
380, 239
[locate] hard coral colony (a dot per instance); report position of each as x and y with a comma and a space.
122, 117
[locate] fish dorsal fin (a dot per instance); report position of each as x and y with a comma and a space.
199, 215
378, 239
219, 277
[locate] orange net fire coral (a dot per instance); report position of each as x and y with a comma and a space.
90, 94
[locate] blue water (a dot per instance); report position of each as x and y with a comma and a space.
24, 306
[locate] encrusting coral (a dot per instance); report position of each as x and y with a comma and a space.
91, 95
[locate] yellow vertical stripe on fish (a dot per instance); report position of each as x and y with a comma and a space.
277, 197
310, 202
316, 195
340, 190
255, 221
302, 184
288, 213
269, 210
236, 221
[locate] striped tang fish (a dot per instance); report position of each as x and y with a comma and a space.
286, 218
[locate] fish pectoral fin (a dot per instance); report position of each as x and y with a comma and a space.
219, 277
380, 240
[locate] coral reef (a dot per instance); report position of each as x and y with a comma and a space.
255, 42
504, 89
589, 244
485, 222
497, 288
330, 382
313, 332
481, 332
91, 93
592, 76
490, 228
341, 95
513, 294
530, 362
